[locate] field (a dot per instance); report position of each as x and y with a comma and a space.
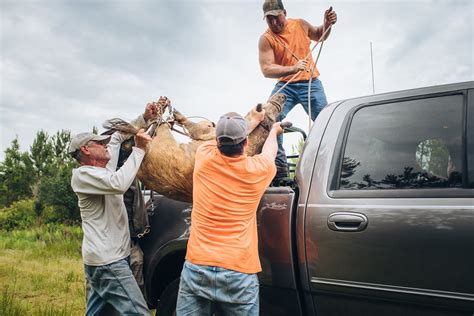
41, 271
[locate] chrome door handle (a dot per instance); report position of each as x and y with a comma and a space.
347, 222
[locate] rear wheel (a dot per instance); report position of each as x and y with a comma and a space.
167, 303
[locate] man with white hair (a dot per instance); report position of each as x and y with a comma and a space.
106, 244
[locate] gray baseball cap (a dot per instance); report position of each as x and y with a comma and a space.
231, 129
272, 7
82, 139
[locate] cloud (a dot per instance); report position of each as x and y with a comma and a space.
74, 64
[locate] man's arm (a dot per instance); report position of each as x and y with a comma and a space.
150, 112
98, 181
270, 69
316, 32
270, 147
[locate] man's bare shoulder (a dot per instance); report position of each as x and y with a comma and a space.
263, 42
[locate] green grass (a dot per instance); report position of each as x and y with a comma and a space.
41, 271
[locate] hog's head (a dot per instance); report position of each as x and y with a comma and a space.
203, 130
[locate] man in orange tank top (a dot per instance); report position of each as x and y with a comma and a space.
284, 50
222, 259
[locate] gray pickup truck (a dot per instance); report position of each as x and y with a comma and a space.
379, 219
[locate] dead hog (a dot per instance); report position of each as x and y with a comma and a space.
167, 167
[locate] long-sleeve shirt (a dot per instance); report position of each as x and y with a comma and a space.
100, 198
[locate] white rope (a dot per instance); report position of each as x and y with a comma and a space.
312, 71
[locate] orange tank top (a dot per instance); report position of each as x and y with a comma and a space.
293, 39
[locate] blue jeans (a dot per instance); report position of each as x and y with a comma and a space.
204, 289
297, 93
114, 284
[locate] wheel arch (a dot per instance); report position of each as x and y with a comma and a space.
165, 266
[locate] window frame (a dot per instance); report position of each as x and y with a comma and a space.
340, 148
469, 126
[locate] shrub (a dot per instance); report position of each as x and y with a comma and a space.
21, 214
56, 195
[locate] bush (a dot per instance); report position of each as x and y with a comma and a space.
57, 197
21, 214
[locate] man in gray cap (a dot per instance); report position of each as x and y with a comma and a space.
284, 50
106, 244
222, 259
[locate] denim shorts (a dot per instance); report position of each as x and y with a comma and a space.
203, 289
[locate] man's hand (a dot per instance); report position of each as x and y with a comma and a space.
301, 65
142, 139
153, 109
277, 128
330, 17
164, 102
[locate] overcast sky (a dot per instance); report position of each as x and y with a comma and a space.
73, 64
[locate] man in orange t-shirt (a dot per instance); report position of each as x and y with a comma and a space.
222, 253
284, 50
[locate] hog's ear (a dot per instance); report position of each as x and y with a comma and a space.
203, 131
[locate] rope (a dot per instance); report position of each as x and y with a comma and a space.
283, 44
185, 132
310, 120
312, 71
158, 120
201, 117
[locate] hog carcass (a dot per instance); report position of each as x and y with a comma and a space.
167, 167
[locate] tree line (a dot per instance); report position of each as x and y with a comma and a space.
35, 184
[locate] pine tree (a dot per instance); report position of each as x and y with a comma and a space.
15, 175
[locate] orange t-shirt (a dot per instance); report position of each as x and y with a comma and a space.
296, 40
226, 194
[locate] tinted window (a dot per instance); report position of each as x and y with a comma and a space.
405, 145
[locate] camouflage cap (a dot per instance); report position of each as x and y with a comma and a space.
272, 7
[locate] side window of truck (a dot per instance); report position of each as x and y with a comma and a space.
414, 144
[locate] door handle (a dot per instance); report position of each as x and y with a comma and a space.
347, 222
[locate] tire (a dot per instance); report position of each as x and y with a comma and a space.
167, 303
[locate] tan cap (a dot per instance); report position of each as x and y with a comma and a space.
272, 7
82, 139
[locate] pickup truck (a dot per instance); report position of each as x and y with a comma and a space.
378, 219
